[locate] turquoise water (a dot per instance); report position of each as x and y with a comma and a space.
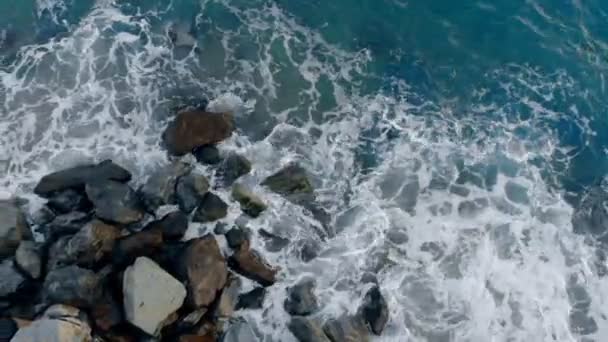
383, 101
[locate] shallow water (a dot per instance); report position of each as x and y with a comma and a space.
471, 129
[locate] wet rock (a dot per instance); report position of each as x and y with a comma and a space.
253, 299
203, 267
173, 225
190, 191
107, 313
160, 187
289, 181
229, 297
397, 236
66, 224
238, 330
151, 295
236, 236
472, 208
77, 177
115, 202
250, 264
193, 129
72, 285
346, 329
220, 228
11, 281
69, 200
42, 216
306, 330
581, 323
251, 204
147, 242
28, 259
13, 228
374, 310
301, 299
273, 242
211, 208
369, 278
8, 328
192, 319
591, 215
207, 154
92, 243
232, 168
308, 249
60, 323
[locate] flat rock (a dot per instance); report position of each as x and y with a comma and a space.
250, 264
65, 201
211, 208
253, 299
346, 329
239, 330
77, 177
147, 242
306, 330
160, 187
173, 225
13, 228
232, 168
151, 295
301, 299
115, 202
91, 244
60, 323
374, 310
11, 280
203, 267
193, 129
207, 154
251, 204
28, 259
72, 285
190, 191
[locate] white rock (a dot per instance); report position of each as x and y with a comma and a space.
150, 295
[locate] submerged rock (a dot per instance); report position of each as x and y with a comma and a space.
28, 259
250, 264
273, 242
193, 129
69, 200
115, 202
290, 181
151, 295
591, 215
190, 191
207, 154
11, 281
239, 330
346, 329
374, 310
301, 299
251, 204
306, 330
232, 168
60, 323
13, 228
160, 187
253, 299
72, 285
147, 242
173, 225
77, 177
211, 208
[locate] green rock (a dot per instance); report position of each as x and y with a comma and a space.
250, 203
289, 181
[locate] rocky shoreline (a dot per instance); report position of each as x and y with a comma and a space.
110, 268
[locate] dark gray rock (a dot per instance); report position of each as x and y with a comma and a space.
346, 329
28, 259
77, 177
173, 225
190, 130
472, 208
306, 330
160, 187
273, 242
253, 299
236, 236
69, 200
115, 202
308, 249
251, 204
8, 329
301, 299
232, 168
190, 191
374, 310
208, 154
72, 285
42, 216
397, 236
13, 228
289, 181
211, 208
66, 224
147, 242
11, 281
239, 330
252, 265
91, 244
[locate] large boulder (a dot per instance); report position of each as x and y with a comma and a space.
306, 330
346, 329
91, 244
28, 259
374, 310
250, 264
251, 204
211, 208
301, 299
13, 228
190, 191
115, 202
159, 189
147, 242
203, 267
173, 225
60, 323
193, 129
232, 168
77, 177
72, 285
151, 295
11, 281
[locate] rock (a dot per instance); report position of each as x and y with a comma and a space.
92, 243
229, 297
173, 225
203, 267
160, 187
232, 168
273, 243
253, 299
69, 200
147, 242
190, 191
28, 259
207, 154
301, 299
469, 209
77, 177
13, 228
250, 203
193, 129
66, 224
59, 324
289, 181
346, 329
115, 202
306, 330
42, 216
236, 236
591, 214
8, 328
374, 310
308, 249
107, 313
397, 236
72, 285
196, 338
211, 208
11, 281
250, 264
151, 295
239, 330
192, 319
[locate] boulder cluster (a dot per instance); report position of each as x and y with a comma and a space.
109, 269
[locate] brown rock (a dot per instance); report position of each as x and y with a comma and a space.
107, 313
144, 243
250, 264
94, 241
193, 129
197, 338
